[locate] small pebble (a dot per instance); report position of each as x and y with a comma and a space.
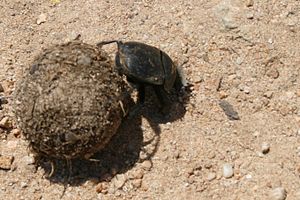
278, 193
265, 147
273, 73
248, 176
239, 60
211, 176
227, 170
250, 3
102, 188
1, 88
5, 123
191, 179
146, 165
250, 15
6, 162
223, 94
119, 181
268, 94
229, 110
41, 19
176, 154
28, 160
137, 174
137, 183
23, 184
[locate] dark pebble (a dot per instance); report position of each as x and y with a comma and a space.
229, 110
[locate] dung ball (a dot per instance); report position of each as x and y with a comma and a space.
70, 101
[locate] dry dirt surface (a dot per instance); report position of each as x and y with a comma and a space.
238, 136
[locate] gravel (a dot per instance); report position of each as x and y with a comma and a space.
227, 170
6, 162
265, 147
5, 123
211, 176
278, 193
147, 165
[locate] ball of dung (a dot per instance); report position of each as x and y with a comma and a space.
70, 102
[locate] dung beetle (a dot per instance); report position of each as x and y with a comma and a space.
145, 65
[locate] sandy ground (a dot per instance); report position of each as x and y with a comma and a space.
244, 53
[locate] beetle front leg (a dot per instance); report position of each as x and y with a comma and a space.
163, 99
141, 94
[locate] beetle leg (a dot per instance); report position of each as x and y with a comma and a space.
163, 98
141, 94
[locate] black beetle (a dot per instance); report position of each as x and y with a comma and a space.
144, 65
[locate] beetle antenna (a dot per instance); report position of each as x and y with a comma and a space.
100, 44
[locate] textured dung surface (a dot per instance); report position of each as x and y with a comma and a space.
67, 104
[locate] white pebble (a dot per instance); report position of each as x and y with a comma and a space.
41, 18
227, 170
278, 193
119, 181
265, 147
29, 160
248, 176
211, 176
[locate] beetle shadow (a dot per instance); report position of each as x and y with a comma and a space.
119, 156
152, 112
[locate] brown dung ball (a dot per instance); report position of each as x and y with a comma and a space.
71, 101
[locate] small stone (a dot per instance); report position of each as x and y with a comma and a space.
176, 154
260, 154
250, 15
191, 179
273, 73
250, 3
268, 94
247, 90
278, 193
190, 171
23, 184
239, 60
223, 94
16, 132
229, 110
41, 19
137, 183
29, 160
265, 147
119, 181
102, 188
137, 174
227, 170
5, 123
146, 165
211, 176
6, 162
248, 176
